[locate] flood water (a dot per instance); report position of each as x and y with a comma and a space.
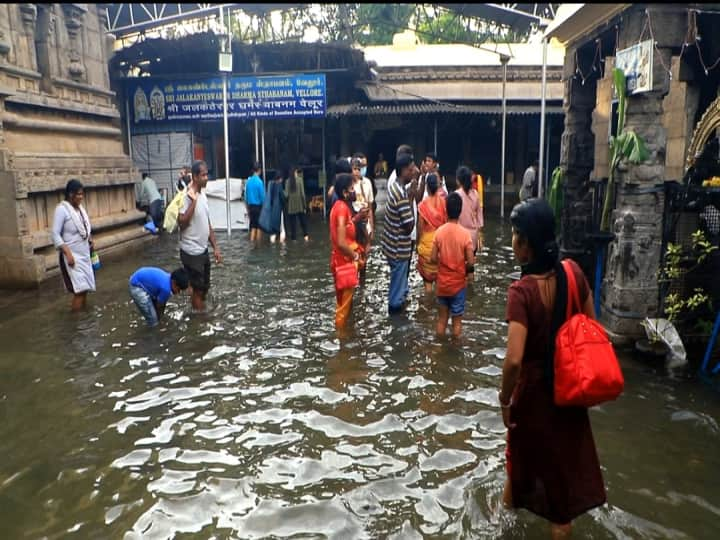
256, 421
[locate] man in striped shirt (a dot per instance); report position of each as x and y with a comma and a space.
396, 238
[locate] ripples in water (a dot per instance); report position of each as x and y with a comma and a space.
256, 420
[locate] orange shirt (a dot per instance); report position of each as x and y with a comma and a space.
452, 240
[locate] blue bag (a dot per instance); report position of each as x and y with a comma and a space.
265, 219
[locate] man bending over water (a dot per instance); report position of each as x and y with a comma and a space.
150, 289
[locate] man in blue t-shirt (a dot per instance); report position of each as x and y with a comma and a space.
150, 289
254, 198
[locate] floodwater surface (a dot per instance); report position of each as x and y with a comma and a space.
256, 420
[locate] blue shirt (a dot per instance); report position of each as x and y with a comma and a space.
154, 281
254, 190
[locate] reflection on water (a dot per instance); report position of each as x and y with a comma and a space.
255, 420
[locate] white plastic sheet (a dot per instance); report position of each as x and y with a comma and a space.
216, 189
664, 331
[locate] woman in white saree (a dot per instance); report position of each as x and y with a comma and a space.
71, 234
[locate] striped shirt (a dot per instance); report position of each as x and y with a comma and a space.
398, 213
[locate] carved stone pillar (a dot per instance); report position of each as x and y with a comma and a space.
74, 14
630, 287
576, 158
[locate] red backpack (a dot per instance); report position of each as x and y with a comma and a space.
586, 371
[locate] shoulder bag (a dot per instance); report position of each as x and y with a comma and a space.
586, 371
265, 218
346, 276
172, 212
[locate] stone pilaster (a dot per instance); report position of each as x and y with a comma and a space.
74, 14
576, 158
679, 108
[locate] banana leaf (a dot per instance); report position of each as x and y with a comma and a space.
620, 90
556, 196
626, 145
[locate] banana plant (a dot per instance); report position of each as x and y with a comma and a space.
626, 145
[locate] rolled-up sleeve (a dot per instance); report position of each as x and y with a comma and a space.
57, 228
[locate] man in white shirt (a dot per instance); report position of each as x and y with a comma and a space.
195, 232
430, 165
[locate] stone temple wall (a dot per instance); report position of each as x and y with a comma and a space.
58, 120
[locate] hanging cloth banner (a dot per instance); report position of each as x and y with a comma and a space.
290, 96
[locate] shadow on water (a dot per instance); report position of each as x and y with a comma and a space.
256, 420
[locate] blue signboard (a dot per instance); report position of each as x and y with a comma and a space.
290, 96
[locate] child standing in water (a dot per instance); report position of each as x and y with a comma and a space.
452, 251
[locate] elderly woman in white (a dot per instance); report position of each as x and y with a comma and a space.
71, 236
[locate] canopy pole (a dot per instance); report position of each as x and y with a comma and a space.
262, 135
435, 139
548, 129
541, 160
325, 187
504, 60
225, 135
257, 146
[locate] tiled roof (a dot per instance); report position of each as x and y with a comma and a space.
357, 109
469, 74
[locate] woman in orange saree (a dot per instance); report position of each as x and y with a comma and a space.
432, 213
346, 254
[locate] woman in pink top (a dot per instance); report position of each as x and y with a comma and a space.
470, 215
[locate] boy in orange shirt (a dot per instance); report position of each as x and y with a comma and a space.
453, 252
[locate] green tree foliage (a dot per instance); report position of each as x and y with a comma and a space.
377, 23
370, 24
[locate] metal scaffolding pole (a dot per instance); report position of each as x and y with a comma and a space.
504, 60
541, 160
435, 139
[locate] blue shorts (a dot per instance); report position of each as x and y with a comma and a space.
456, 303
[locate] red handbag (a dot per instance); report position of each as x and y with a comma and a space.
587, 371
346, 276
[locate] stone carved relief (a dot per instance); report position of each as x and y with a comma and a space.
74, 14
5, 45
46, 47
28, 13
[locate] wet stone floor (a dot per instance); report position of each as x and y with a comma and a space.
256, 421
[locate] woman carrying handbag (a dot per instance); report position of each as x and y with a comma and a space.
345, 257
552, 465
